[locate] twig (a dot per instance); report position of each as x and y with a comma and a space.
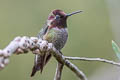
93, 59
75, 69
58, 73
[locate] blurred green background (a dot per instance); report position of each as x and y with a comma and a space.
90, 35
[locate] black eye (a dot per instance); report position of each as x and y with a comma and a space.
61, 16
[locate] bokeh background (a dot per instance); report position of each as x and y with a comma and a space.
90, 35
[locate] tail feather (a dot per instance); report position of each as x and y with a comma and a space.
34, 70
40, 62
47, 58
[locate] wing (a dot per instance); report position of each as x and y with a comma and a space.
40, 60
42, 31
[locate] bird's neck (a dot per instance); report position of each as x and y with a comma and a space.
58, 25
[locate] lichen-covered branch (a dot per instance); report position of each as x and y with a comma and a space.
19, 45
25, 44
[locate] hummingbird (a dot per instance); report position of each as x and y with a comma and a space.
55, 32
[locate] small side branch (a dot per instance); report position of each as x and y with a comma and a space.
75, 69
58, 73
93, 59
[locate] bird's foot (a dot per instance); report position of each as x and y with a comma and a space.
43, 45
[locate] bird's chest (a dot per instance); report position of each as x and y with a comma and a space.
53, 34
56, 36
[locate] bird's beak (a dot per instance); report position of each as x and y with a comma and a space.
70, 14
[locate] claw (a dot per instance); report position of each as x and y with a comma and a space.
37, 51
43, 45
50, 46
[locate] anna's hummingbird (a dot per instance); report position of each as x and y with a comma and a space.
54, 31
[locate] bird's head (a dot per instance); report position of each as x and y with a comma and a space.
58, 18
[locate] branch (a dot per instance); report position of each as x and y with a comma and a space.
60, 58
93, 59
19, 45
24, 44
